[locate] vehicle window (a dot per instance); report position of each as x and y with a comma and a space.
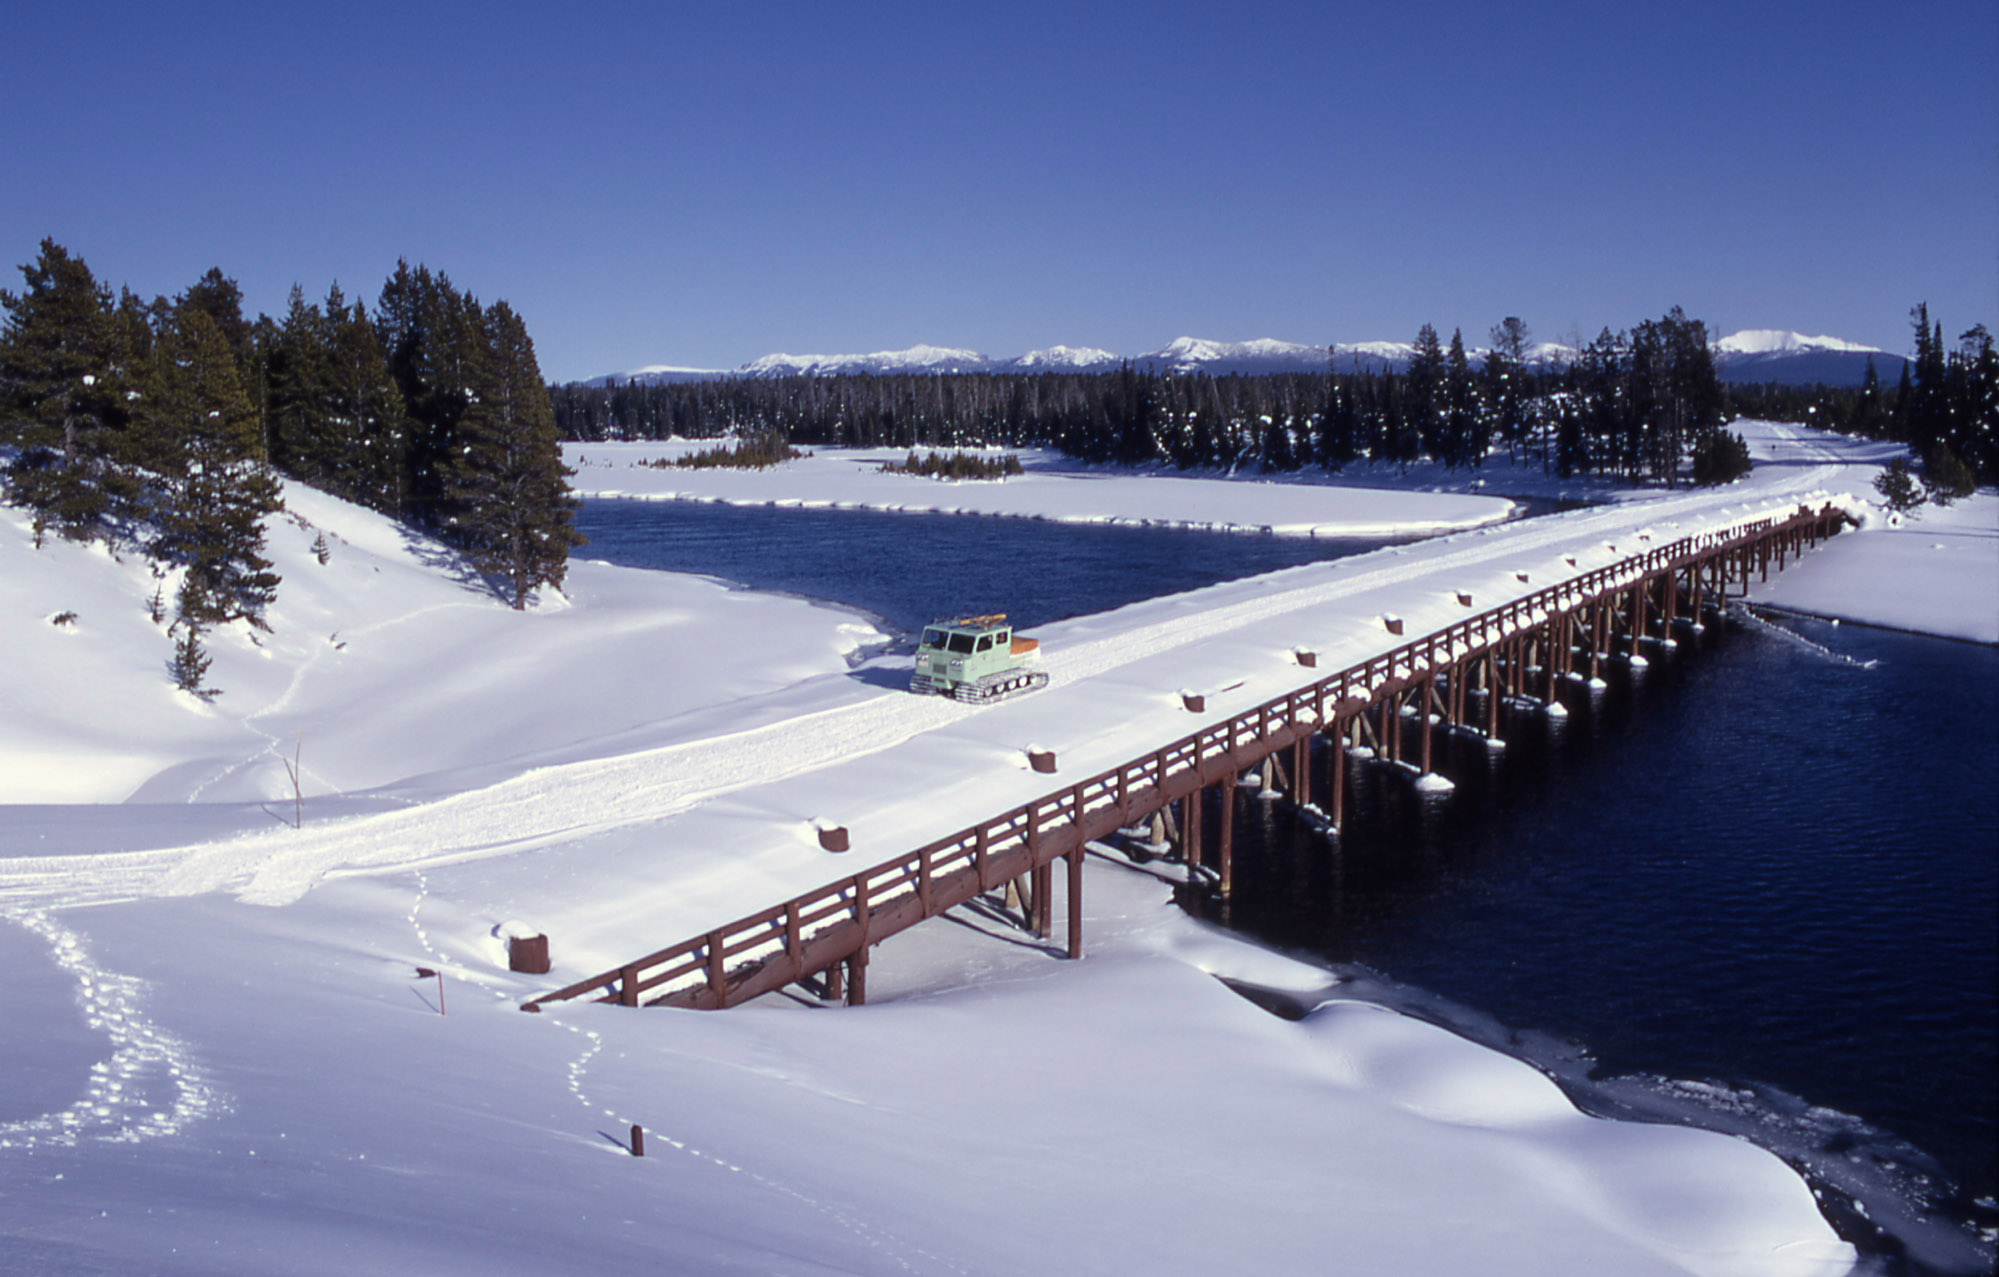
933, 638
961, 643
985, 642
1000, 637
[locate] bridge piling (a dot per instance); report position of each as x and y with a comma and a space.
1226, 850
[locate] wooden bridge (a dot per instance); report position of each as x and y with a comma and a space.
1455, 678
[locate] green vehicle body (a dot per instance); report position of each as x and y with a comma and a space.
975, 659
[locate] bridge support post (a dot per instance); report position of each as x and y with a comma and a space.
1044, 903
1227, 866
1192, 833
1492, 693
1423, 699
1076, 902
857, 978
1336, 763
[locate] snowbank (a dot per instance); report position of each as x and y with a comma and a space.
851, 478
387, 662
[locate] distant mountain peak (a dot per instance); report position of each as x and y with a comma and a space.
1753, 354
1067, 357
919, 358
1774, 341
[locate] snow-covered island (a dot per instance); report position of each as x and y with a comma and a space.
222, 1057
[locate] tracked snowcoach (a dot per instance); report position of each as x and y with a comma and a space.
975, 659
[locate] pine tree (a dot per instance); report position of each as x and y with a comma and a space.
189, 666
217, 296
1463, 441
1868, 413
366, 411
60, 405
1897, 487
506, 488
1423, 394
296, 378
214, 491
1505, 382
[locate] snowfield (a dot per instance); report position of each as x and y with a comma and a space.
852, 478
222, 1087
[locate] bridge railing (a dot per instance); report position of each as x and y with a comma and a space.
882, 893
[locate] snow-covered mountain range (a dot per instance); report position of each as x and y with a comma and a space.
1752, 355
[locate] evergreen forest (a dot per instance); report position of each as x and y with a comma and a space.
165, 424
1642, 406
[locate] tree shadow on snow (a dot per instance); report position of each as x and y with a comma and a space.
452, 564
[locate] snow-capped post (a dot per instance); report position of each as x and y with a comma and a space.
1520, 577
1041, 760
832, 837
1464, 598
527, 948
1194, 701
1306, 657
1393, 624
638, 1140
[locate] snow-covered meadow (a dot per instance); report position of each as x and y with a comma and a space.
236, 1068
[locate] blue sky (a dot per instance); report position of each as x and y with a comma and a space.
705, 183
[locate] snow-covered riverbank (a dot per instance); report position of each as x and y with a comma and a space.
644, 759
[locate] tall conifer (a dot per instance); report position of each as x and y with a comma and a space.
60, 406
214, 491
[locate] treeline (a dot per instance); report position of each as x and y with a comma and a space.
165, 422
1945, 405
1634, 405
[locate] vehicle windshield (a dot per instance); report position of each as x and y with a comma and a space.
961, 643
933, 638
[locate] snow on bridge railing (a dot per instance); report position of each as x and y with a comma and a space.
872, 903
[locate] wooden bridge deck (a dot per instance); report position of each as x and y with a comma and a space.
1516, 650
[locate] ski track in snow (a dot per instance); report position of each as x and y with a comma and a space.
276, 866
121, 1104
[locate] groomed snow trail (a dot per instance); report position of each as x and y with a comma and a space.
578, 799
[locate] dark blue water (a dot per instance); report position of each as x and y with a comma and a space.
1755, 887
911, 569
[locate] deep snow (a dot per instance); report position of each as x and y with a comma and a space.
644, 758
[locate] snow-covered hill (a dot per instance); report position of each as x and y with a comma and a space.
1752, 355
100, 720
